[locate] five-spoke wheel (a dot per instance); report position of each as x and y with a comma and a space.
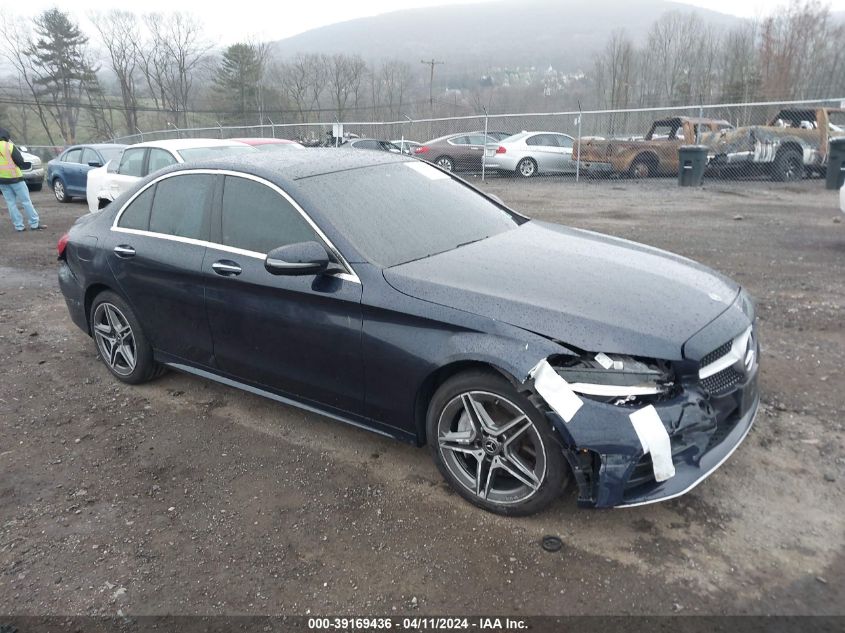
120, 340
114, 338
493, 446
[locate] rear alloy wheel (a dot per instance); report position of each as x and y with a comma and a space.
641, 168
494, 448
788, 166
59, 190
527, 168
121, 344
444, 162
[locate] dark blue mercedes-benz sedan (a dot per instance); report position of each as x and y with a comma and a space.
389, 294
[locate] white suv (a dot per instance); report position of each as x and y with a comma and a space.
137, 161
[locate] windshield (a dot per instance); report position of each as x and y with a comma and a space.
398, 212
110, 153
278, 147
201, 153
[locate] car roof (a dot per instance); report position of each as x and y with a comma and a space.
188, 143
258, 140
96, 146
295, 165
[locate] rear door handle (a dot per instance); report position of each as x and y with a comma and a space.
226, 268
124, 251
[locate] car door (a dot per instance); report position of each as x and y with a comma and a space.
544, 150
564, 162
71, 171
296, 335
132, 166
475, 150
155, 252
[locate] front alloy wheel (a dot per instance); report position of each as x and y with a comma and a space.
493, 446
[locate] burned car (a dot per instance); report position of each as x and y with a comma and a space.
656, 154
389, 294
792, 145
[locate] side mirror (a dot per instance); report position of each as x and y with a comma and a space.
302, 258
94, 163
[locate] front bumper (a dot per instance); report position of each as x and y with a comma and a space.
608, 460
34, 177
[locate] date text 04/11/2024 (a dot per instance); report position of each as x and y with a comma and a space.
417, 623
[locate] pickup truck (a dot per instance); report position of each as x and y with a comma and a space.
656, 154
792, 145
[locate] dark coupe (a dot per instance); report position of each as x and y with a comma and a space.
389, 294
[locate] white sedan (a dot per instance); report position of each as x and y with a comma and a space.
137, 161
528, 154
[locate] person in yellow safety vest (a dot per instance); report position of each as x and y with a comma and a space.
12, 184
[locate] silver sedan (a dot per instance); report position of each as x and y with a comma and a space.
528, 154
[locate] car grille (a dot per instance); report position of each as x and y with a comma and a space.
722, 381
716, 354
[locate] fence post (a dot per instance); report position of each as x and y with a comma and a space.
484, 147
578, 160
140, 132
272, 127
221, 128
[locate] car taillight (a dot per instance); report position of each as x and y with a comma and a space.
62, 245
501, 150
422, 150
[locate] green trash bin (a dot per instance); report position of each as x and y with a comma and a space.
692, 160
836, 164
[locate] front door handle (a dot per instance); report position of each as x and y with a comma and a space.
226, 268
124, 251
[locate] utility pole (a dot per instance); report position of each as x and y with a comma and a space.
432, 63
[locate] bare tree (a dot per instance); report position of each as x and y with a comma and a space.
120, 34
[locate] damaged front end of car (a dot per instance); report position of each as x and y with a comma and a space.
637, 430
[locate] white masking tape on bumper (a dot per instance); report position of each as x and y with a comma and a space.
555, 390
655, 440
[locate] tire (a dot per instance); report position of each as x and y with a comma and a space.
642, 167
526, 168
788, 166
60, 191
126, 354
464, 447
445, 162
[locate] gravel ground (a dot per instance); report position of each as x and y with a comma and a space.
187, 497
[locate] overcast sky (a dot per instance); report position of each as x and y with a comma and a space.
268, 20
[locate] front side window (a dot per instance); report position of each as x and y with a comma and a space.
137, 214
132, 163
256, 218
181, 206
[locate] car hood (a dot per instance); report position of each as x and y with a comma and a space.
591, 291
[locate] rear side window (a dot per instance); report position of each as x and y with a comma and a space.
159, 159
73, 156
256, 218
181, 206
563, 141
132, 163
137, 214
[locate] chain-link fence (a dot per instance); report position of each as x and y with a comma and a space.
770, 140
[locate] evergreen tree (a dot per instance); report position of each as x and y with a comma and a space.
64, 74
238, 78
